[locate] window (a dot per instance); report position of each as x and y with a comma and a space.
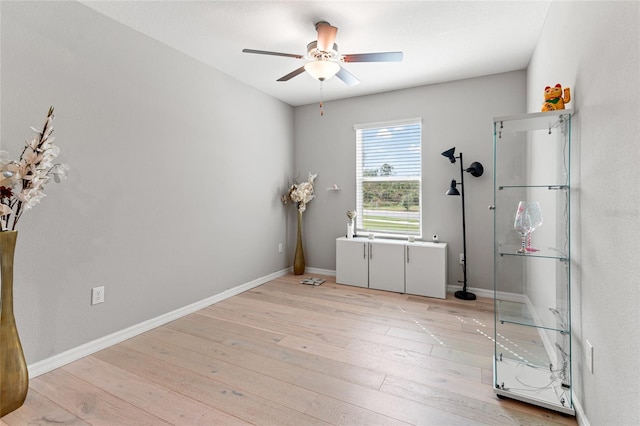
389, 178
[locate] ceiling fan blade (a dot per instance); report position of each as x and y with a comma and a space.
292, 74
326, 36
266, 52
348, 78
374, 57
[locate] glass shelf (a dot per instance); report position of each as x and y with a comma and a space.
549, 187
527, 383
544, 252
531, 316
532, 121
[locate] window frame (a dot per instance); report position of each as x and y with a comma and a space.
361, 178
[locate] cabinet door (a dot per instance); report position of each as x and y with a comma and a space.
386, 266
352, 262
426, 270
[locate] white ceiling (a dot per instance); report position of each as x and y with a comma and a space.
441, 40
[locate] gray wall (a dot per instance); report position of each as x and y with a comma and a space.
454, 114
594, 48
176, 171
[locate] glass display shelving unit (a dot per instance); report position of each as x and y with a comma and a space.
532, 360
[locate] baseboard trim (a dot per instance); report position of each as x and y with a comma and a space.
480, 292
38, 368
581, 416
327, 272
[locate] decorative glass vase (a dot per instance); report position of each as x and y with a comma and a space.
528, 219
298, 258
14, 376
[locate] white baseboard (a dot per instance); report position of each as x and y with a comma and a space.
327, 272
66, 357
480, 292
581, 416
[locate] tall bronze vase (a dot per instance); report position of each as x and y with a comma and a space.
298, 259
14, 376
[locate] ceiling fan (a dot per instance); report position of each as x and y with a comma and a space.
325, 59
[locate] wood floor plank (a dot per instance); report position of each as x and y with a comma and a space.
168, 405
483, 359
89, 402
284, 353
39, 410
183, 411
391, 315
505, 413
447, 339
256, 320
246, 406
314, 317
337, 412
292, 357
241, 379
382, 364
383, 403
116, 381
232, 355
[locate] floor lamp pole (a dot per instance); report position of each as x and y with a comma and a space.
464, 294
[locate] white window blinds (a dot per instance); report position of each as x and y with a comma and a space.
389, 177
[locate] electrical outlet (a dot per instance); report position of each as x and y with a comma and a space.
97, 295
588, 355
280, 248
462, 258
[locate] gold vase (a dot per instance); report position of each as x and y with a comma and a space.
14, 376
298, 259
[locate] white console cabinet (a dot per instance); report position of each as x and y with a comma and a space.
352, 262
426, 269
386, 265
404, 267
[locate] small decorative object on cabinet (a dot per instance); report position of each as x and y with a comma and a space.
351, 226
532, 360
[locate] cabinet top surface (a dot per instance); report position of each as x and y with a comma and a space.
393, 241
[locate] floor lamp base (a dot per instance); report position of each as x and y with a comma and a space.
465, 295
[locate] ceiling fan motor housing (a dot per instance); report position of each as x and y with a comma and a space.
315, 54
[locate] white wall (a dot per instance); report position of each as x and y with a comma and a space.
594, 48
454, 114
176, 171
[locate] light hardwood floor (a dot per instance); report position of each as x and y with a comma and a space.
291, 354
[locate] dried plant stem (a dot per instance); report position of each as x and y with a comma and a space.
44, 135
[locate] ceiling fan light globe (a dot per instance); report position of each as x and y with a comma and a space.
322, 70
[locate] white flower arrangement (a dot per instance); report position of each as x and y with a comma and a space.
300, 193
22, 182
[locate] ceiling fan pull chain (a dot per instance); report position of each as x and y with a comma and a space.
321, 98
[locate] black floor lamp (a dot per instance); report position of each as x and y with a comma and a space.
476, 170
